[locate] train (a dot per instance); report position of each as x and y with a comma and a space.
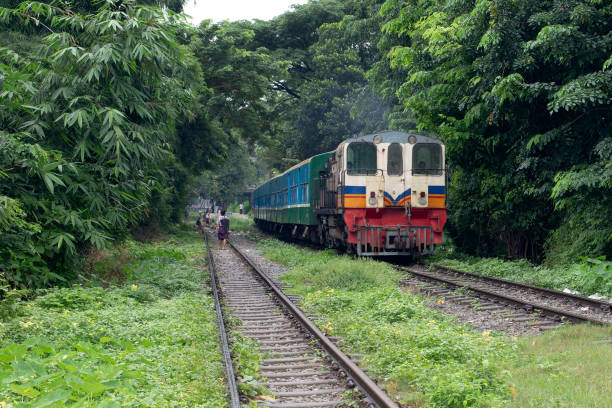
381, 194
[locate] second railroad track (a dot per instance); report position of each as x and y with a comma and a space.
547, 307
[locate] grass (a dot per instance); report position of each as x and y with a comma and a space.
424, 358
241, 224
427, 359
149, 339
591, 276
565, 368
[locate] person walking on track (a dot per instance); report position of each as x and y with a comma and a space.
199, 225
223, 224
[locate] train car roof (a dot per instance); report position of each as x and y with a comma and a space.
391, 136
291, 168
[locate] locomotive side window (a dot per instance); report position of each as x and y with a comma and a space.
427, 159
395, 161
361, 158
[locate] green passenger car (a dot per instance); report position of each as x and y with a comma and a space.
287, 200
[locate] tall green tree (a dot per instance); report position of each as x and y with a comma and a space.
324, 96
338, 100
86, 117
236, 77
228, 182
520, 93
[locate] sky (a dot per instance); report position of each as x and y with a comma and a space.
233, 10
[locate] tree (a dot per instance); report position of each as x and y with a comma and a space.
324, 95
87, 118
236, 76
228, 182
520, 93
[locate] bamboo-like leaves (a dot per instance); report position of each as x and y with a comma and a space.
88, 112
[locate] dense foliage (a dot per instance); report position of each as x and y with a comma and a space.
110, 111
105, 119
148, 339
519, 91
88, 115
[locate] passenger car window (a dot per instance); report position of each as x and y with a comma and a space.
427, 159
395, 162
361, 158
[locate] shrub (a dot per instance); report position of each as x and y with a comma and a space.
72, 298
594, 276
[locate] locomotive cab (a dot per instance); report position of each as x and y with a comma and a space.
390, 193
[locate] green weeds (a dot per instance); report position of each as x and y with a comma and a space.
241, 224
41, 375
246, 358
424, 357
564, 368
149, 340
591, 276
246, 361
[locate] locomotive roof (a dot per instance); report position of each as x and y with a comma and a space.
387, 136
391, 136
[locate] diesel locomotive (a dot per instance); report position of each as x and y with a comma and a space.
381, 194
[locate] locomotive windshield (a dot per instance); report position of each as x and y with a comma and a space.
427, 159
361, 158
395, 161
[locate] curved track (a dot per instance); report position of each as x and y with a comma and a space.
550, 307
302, 368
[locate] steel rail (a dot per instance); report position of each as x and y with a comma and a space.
547, 310
606, 306
360, 378
229, 368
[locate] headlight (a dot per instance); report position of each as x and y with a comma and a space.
372, 200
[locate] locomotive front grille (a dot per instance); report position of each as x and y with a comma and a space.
376, 240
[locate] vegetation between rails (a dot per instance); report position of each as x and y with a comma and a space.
246, 359
592, 276
426, 359
423, 357
149, 339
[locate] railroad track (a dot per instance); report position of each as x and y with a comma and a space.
302, 368
531, 305
536, 306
